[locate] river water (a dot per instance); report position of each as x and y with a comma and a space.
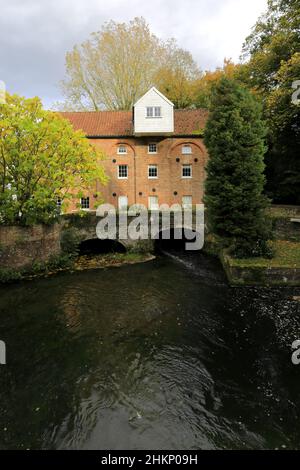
160, 355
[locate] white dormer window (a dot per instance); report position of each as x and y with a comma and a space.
152, 148
186, 149
153, 114
153, 111
122, 149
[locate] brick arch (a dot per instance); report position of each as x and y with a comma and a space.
121, 142
199, 145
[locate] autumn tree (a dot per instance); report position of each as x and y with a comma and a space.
119, 63
234, 199
202, 87
271, 55
41, 158
177, 77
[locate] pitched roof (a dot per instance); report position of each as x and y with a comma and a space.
119, 123
155, 90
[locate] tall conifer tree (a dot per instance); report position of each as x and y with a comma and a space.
234, 198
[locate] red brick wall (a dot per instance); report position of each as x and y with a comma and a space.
169, 170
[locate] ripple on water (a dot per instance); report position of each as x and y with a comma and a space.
162, 355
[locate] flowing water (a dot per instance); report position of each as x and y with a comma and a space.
160, 355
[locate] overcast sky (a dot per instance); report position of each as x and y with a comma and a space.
36, 34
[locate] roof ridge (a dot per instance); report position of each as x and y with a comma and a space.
99, 111
128, 111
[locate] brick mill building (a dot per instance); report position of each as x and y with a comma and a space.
153, 154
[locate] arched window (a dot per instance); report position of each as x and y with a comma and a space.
122, 149
186, 149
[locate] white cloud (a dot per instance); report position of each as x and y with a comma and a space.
35, 35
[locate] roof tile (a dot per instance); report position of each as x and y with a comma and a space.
119, 123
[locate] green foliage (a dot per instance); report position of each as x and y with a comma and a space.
273, 50
41, 158
234, 137
141, 247
70, 241
286, 255
54, 264
202, 88
198, 133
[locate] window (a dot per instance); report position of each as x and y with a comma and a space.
186, 171
152, 148
153, 202
186, 149
152, 171
123, 203
153, 111
123, 171
85, 202
187, 202
122, 149
59, 202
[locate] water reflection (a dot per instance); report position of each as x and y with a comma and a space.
160, 355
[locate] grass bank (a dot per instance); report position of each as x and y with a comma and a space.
281, 270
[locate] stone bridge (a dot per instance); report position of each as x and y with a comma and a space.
83, 227
24, 247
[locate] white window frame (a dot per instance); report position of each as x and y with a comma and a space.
185, 166
185, 205
122, 177
124, 147
87, 198
153, 112
149, 146
157, 204
186, 149
150, 167
122, 208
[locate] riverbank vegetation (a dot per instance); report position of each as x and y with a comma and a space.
282, 269
68, 263
286, 254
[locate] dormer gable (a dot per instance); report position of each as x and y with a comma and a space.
153, 114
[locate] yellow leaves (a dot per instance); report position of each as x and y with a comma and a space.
120, 63
42, 155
